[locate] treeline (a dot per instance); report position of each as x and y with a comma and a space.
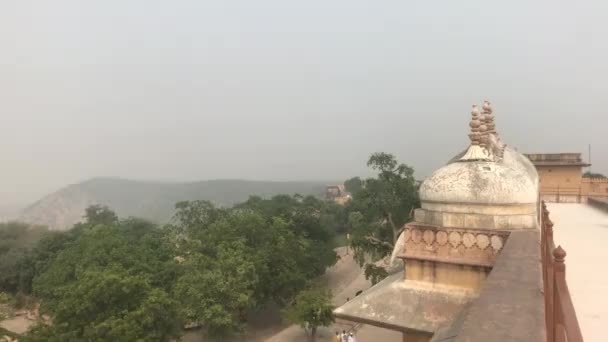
128, 280
16, 241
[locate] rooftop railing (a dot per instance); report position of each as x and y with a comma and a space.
560, 316
565, 157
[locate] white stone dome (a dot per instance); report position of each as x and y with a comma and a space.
482, 182
487, 186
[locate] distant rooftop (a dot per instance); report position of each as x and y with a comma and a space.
556, 159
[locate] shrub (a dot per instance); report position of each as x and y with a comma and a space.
5, 298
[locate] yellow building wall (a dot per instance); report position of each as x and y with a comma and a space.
565, 177
565, 183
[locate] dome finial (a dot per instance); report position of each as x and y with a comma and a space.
475, 151
483, 132
488, 117
487, 109
474, 124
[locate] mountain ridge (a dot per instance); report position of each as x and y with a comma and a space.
152, 200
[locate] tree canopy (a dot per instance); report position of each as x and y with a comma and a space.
128, 279
283, 238
107, 280
379, 210
353, 185
16, 242
311, 309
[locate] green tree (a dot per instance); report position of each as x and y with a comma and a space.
42, 255
353, 185
16, 243
111, 305
380, 209
107, 282
311, 220
98, 214
311, 309
375, 273
216, 292
259, 252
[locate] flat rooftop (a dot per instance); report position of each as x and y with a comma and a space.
583, 233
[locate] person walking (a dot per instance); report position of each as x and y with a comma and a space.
344, 336
351, 337
337, 337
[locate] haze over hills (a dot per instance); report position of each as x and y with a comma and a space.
9, 212
151, 200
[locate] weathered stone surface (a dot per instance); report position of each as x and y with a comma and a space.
497, 242
453, 220
420, 215
510, 307
479, 221
483, 241
501, 222
412, 307
479, 182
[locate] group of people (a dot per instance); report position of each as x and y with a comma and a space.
344, 337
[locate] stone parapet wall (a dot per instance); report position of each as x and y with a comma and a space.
510, 306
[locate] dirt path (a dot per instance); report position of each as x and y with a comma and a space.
345, 279
18, 325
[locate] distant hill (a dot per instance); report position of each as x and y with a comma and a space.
151, 200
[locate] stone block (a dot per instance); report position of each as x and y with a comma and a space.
420, 215
528, 221
436, 218
479, 221
501, 222
453, 220
515, 222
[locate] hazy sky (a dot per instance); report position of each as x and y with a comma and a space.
287, 90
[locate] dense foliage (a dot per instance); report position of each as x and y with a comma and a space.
16, 242
263, 250
379, 208
125, 280
311, 309
107, 280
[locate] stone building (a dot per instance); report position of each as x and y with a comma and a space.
558, 169
472, 258
337, 193
561, 178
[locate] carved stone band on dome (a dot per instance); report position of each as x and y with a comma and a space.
454, 238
